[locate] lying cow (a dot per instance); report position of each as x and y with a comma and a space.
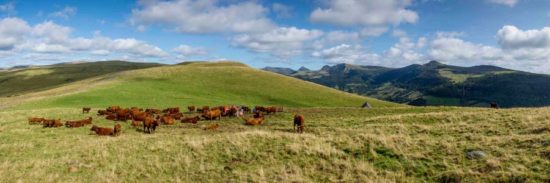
53, 123
193, 120
103, 131
34, 120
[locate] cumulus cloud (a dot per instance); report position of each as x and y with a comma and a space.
365, 12
12, 32
184, 51
282, 42
65, 13
510, 3
510, 37
344, 53
209, 16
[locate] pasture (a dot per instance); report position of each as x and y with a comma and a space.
340, 144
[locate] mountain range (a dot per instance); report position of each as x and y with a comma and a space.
433, 84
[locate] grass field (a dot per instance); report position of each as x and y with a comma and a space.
341, 143
402, 144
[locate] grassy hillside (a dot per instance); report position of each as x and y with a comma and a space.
21, 81
339, 145
203, 83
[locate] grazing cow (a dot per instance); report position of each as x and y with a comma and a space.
299, 123
253, 121
150, 124
211, 127
102, 131
34, 120
86, 110
212, 114
193, 120
53, 123
117, 129
167, 120
135, 123
191, 108
494, 105
270, 110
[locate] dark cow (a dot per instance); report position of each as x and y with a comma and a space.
86, 110
191, 108
299, 123
494, 105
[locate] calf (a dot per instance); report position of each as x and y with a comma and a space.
86, 110
102, 131
193, 120
299, 123
253, 121
191, 108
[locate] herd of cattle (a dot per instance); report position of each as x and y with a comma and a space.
150, 119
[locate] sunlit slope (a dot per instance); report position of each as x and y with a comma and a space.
206, 83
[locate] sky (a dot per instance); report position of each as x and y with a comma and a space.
284, 33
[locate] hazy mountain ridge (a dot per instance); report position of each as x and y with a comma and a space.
435, 83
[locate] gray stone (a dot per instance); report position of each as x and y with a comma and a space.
475, 155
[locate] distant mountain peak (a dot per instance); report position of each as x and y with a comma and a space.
303, 69
433, 63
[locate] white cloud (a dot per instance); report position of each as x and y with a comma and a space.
510, 37
65, 13
344, 53
373, 31
208, 16
365, 12
510, 3
184, 51
281, 42
12, 32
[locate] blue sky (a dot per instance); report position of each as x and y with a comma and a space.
286, 33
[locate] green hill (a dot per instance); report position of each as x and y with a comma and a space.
32, 79
199, 83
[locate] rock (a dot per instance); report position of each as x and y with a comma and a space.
475, 154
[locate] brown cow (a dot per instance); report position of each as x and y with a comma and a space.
86, 110
191, 108
259, 109
53, 123
135, 123
140, 116
123, 115
113, 108
212, 114
246, 109
253, 121
117, 129
193, 120
177, 116
152, 111
171, 110
204, 108
270, 110
167, 120
73, 124
34, 120
149, 125
111, 117
102, 131
211, 127
299, 123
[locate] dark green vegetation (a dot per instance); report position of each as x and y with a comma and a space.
20, 81
199, 83
436, 84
